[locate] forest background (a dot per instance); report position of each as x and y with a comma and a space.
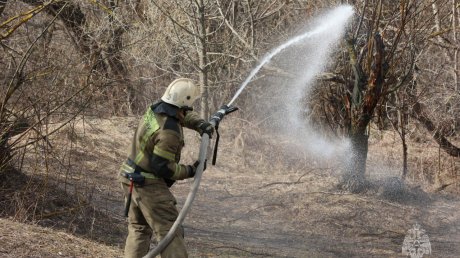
65, 62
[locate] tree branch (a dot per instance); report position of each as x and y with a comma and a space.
25, 57
419, 114
174, 21
13, 23
2, 5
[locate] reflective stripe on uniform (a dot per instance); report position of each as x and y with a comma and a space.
139, 157
151, 125
178, 167
126, 168
164, 154
150, 122
130, 167
149, 175
145, 174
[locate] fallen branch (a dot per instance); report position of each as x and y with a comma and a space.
288, 183
254, 209
243, 250
281, 183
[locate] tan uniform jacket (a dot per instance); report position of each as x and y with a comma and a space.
156, 148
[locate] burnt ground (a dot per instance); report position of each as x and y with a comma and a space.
260, 200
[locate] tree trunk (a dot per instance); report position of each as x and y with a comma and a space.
367, 92
402, 120
455, 40
404, 146
353, 178
4, 150
400, 127
202, 54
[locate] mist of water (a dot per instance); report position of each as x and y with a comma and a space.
304, 57
340, 15
273, 53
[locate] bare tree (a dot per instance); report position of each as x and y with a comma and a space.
395, 71
381, 61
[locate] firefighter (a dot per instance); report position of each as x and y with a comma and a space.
155, 154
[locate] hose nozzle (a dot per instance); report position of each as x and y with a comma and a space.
219, 115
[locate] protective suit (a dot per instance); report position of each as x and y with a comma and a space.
155, 154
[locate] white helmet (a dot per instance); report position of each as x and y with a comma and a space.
181, 93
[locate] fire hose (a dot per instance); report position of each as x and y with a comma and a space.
214, 120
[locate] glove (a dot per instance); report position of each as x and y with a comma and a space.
206, 128
191, 169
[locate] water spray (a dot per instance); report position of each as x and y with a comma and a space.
283, 46
269, 56
220, 114
286, 98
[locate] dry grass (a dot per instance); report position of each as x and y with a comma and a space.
428, 166
23, 240
262, 199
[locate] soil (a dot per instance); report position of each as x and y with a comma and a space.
262, 199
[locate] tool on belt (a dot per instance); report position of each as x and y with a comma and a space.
134, 178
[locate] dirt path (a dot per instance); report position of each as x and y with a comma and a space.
307, 220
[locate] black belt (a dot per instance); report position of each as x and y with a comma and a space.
137, 169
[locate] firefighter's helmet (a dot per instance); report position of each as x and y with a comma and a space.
181, 93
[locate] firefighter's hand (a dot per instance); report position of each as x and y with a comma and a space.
191, 169
206, 128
